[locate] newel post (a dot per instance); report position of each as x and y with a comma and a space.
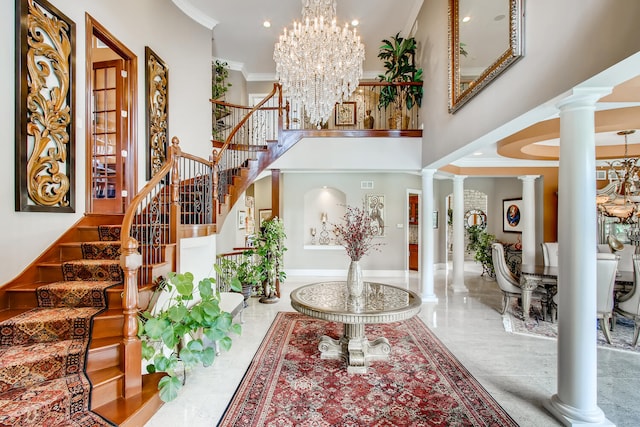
130, 261
174, 209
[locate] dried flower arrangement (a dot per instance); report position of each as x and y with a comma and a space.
356, 233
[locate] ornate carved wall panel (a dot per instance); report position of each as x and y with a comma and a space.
157, 105
45, 116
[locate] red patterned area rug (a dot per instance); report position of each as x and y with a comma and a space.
422, 383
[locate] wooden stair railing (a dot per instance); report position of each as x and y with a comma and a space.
180, 193
257, 129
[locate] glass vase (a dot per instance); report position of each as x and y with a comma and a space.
355, 283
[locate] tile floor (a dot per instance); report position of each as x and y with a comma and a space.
519, 371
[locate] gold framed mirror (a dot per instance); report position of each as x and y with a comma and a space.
485, 37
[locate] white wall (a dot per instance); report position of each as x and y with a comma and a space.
566, 42
183, 44
393, 255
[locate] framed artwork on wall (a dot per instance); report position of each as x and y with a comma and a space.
242, 220
345, 114
512, 215
263, 215
375, 209
435, 219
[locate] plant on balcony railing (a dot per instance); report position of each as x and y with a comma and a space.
398, 55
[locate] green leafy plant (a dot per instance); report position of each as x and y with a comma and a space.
480, 243
269, 246
240, 272
398, 56
220, 86
172, 335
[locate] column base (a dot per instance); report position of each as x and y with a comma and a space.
429, 298
459, 288
570, 416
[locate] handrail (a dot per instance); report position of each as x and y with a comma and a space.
237, 127
153, 218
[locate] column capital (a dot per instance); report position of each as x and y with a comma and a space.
583, 97
528, 178
427, 172
459, 178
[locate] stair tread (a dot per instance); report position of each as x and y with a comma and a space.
98, 343
136, 410
105, 375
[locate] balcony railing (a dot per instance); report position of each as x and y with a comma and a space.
361, 112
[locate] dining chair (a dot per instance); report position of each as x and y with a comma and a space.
629, 304
550, 253
507, 281
606, 266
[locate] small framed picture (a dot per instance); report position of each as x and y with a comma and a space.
264, 214
435, 219
512, 215
242, 220
345, 114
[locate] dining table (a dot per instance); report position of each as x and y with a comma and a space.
533, 276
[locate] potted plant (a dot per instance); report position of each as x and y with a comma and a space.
241, 271
269, 246
398, 55
219, 86
172, 332
480, 243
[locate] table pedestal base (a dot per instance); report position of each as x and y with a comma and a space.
354, 348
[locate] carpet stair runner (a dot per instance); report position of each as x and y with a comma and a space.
43, 351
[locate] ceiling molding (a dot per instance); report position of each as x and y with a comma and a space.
196, 14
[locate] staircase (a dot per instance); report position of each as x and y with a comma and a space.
123, 255
63, 329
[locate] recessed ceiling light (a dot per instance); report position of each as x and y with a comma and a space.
266, 24
477, 153
466, 19
355, 22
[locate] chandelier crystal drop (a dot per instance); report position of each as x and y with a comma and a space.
318, 63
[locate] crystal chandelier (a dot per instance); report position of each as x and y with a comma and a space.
620, 197
317, 62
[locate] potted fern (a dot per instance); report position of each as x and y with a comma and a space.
173, 332
398, 55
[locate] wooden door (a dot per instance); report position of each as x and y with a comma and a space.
107, 146
413, 231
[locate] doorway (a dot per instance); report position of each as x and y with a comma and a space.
414, 231
111, 121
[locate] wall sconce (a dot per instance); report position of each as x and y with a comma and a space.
323, 217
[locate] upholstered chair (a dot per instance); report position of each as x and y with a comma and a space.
606, 278
550, 253
507, 281
629, 305
625, 261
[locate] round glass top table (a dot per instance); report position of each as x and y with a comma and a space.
380, 303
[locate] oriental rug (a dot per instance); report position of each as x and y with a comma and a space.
621, 335
422, 383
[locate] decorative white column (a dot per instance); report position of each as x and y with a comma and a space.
528, 219
426, 268
576, 400
457, 283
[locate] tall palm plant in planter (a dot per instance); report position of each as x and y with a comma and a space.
398, 54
